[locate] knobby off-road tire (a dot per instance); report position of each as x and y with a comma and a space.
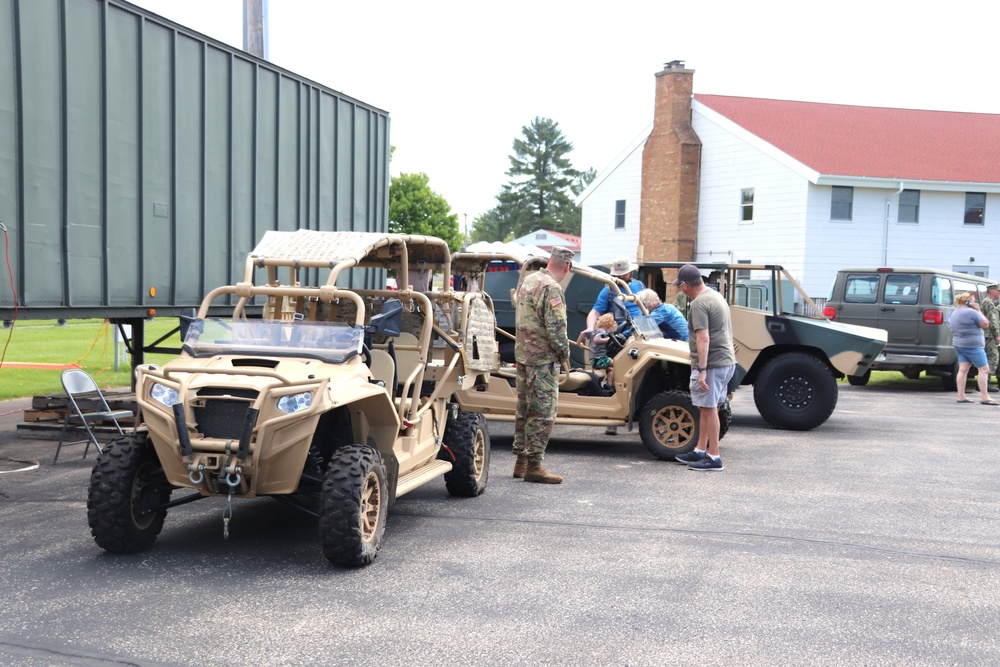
127, 492
469, 441
353, 507
859, 381
668, 425
795, 391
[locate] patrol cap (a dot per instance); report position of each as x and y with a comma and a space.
687, 274
565, 254
995, 286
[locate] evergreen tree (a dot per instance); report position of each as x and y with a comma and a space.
540, 192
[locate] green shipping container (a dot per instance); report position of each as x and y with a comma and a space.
141, 161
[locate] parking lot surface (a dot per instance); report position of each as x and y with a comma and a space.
871, 540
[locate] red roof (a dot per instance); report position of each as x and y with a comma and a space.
899, 144
572, 240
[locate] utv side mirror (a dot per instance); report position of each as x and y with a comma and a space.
186, 318
390, 321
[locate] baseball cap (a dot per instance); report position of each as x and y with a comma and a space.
687, 273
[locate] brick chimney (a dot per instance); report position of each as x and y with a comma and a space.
671, 171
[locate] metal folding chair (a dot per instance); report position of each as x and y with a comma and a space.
79, 384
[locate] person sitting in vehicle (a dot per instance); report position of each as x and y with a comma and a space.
623, 269
667, 317
597, 342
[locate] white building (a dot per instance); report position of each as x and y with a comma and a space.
813, 187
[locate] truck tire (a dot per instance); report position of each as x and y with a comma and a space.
128, 490
353, 506
668, 425
725, 419
949, 379
467, 439
859, 380
795, 391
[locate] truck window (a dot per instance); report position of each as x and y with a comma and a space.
901, 288
861, 288
961, 287
941, 294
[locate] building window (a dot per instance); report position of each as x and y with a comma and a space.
975, 208
541, 236
842, 203
970, 269
909, 206
620, 214
743, 274
746, 205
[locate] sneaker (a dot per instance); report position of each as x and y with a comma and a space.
707, 463
691, 457
611, 430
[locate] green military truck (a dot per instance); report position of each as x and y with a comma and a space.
785, 348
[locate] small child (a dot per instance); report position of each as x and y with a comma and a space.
597, 342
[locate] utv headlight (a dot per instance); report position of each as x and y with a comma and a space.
295, 402
165, 395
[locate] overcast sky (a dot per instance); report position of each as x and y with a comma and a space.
460, 79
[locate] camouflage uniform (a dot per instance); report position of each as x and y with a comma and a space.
992, 314
540, 347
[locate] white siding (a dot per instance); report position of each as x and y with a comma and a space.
601, 242
729, 164
792, 224
939, 240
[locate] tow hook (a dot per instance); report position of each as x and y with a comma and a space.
232, 480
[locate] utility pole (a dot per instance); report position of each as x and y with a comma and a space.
255, 28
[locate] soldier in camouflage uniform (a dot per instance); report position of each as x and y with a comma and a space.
992, 314
541, 347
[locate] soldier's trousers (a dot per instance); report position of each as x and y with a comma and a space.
537, 403
992, 357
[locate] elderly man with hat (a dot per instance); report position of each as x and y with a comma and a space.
622, 268
992, 314
540, 347
713, 363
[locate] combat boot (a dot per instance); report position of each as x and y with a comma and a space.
536, 473
520, 466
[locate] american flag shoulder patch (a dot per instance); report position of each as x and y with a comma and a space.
555, 302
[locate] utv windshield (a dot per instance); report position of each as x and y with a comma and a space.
331, 342
647, 327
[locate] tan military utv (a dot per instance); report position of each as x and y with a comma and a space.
326, 401
785, 348
652, 374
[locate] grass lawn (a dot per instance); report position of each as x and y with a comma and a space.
88, 343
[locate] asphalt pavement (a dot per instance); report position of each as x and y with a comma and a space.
871, 540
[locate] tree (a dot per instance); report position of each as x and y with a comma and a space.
541, 191
416, 209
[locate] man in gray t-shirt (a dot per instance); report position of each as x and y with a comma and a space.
713, 363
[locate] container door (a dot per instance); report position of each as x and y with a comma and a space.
900, 311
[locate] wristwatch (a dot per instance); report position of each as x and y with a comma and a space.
701, 369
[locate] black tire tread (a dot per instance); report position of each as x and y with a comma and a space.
460, 437
109, 499
654, 406
823, 383
340, 506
